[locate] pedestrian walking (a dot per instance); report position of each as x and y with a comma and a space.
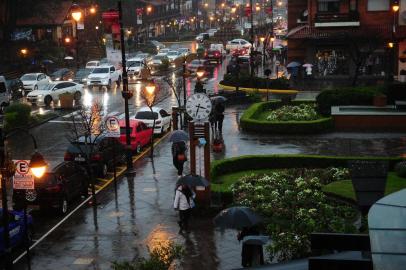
184, 203
251, 255
219, 109
179, 156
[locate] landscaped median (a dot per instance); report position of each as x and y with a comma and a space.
258, 118
226, 172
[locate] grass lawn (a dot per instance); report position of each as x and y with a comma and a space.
344, 188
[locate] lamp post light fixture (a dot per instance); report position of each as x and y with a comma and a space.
150, 98
76, 14
200, 72
92, 10
24, 52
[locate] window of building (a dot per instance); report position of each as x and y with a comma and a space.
329, 5
378, 5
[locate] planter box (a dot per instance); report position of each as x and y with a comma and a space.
380, 101
66, 102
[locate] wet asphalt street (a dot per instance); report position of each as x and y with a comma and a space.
142, 215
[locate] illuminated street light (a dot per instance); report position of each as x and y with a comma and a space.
395, 6
67, 40
149, 9
92, 10
233, 10
76, 13
38, 165
206, 5
200, 73
150, 88
391, 45
262, 39
24, 52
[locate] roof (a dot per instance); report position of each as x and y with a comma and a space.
311, 32
53, 13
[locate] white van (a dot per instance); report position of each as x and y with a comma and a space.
4, 94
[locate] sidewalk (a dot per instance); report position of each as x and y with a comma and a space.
143, 214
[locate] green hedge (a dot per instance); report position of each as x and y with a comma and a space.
17, 115
255, 82
346, 96
258, 162
249, 122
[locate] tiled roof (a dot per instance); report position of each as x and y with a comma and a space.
51, 14
311, 32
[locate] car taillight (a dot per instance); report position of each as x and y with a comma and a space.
68, 157
96, 157
54, 189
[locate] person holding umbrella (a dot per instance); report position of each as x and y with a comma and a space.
179, 148
184, 203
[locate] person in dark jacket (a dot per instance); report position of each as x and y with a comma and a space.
179, 156
251, 255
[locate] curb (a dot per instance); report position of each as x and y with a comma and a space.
261, 90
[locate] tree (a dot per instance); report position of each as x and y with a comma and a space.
150, 93
176, 85
88, 124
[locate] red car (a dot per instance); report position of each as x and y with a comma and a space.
240, 52
140, 134
214, 55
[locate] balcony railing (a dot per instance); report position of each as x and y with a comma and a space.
337, 17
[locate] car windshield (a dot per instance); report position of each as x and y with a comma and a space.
159, 57
100, 70
123, 130
29, 77
59, 72
146, 115
134, 63
172, 53
143, 55
46, 87
164, 51
196, 62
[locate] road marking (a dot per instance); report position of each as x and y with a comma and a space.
70, 114
141, 155
60, 121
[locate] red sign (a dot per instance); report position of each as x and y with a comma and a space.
248, 11
23, 179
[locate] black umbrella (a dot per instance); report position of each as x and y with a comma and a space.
216, 99
255, 240
193, 181
237, 217
179, 136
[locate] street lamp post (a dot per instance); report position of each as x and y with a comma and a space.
252, 39
150, 98
76, 14
263, 54
199, 85
126, 93
37, 166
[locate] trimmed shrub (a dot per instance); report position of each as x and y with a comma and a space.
400, 169
249, 122
17, 115
258, 162
255, 82
346, 96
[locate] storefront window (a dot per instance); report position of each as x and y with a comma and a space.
328, 5
378, 5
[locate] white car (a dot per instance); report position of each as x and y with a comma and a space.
104, 75
202, 37
92, 64
144, 56
50, 92
162, 118
32, 81
164, 51
211, 32
218, 47
237, 44
173, 55
135, 66
184, 51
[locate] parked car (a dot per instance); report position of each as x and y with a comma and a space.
242, 61
57, 189
164, 51
17, 229
184, 51
196, 64
173, 55
237, 44
31, 81
106, 153
214, 55
202, 37
92, 64
146, 57
15, 88
50, 92
139, 132
104, 75
4, 94
239, 52
162, 118
63, 74
81, 75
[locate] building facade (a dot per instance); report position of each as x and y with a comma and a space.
340, 36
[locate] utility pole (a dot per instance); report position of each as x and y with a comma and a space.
126, 93
252, 39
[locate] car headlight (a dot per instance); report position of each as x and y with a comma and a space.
40, 96
57, 79
84, 79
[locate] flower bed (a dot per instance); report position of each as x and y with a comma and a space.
293, 206
301, 112
255, 118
